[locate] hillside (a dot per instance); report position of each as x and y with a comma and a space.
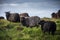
15, 31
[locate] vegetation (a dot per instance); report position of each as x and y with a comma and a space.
15, 31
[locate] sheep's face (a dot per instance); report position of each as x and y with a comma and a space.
42, 22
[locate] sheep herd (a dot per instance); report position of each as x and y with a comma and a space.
33, 21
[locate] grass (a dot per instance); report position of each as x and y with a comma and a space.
15, 31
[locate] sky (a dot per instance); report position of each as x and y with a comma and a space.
41, 8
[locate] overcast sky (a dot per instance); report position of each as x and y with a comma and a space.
41, 8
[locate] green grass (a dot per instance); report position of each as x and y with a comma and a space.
15, 31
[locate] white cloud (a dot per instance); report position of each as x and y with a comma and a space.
8, 4
13, 4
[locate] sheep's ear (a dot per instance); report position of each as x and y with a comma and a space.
7, 12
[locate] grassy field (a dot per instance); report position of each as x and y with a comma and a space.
15, 31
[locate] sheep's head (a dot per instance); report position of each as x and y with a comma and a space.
42, 22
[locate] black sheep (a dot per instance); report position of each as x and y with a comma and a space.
13, 17
30, 21
48, 26
1, 17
